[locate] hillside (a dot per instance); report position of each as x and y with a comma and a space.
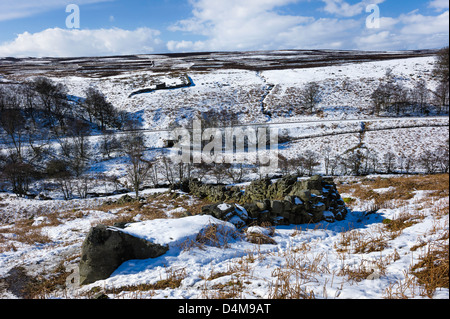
63, 172
273, 98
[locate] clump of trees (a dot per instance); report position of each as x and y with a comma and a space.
392, 98
441, 72
310, 96
100, 111
41, 127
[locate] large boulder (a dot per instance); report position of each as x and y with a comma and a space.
106, 248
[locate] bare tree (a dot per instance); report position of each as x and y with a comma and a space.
219, 172
284, 164
297, 164
137, 173
390, 97
168, 170
373, 162
139, 169
201, 170
311, 161
442, 157
389, 162
53, 98
99, 108
420, 95
310, 96
441, 70
80, 145
82, 185
428, 161
13, 123
327, 159
381, 98
109, 144
400, 99
441, 97
235, 172
353, 162
20, 175
333, 165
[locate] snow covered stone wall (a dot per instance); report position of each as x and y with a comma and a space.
284, 202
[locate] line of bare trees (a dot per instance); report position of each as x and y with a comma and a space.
362, 161
356, 162
392, 97
142, 171
43, 128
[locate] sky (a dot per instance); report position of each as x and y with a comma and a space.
43, 28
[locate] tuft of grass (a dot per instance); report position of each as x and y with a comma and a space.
402, 221
403, 188
173, 280
260, 239
359, 242
433, 269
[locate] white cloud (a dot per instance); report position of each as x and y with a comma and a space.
407, 32
70, 43
14, 9
256, 24
241, 25
344, 9
425, 25
439, 5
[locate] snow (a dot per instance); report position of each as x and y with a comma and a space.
240, 91
258, 230
319, 238
311, 247
175, 231
224, 207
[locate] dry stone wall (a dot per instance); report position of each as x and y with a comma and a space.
284, 202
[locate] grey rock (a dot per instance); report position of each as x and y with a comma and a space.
304, 195
106, 248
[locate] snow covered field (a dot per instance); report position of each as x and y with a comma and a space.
357, 258
361, 257
347, 90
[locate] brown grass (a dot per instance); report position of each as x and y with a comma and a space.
359, 242
433, 269
155, 206
403, 189
402, 221
24, 232
260, 239
290, 284
173, 280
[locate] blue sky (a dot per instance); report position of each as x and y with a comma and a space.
114, 27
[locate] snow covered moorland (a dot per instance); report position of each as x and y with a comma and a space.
84, 137
384, 253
